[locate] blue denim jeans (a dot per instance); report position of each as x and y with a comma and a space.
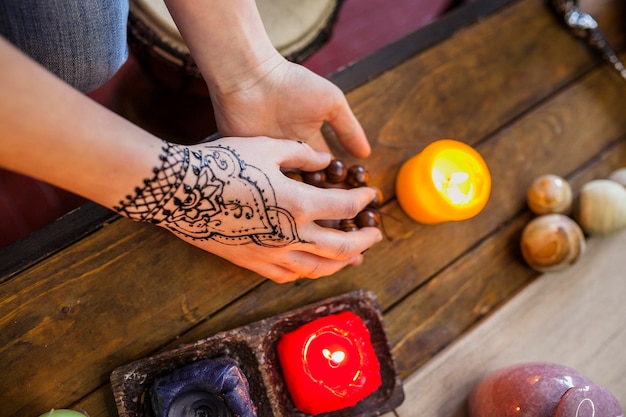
81, 41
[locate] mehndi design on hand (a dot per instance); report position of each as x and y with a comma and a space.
211, 193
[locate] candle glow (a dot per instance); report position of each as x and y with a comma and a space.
447, 181
329, 363
62, 413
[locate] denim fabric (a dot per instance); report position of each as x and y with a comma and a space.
82, 41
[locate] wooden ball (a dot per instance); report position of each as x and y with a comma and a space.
348, 225
602, 207
294, 175
552, 242
358, 176
377, 202
549, 194
619, 176
367, 218
336, 172
316, 178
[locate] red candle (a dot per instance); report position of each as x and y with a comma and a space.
329, 363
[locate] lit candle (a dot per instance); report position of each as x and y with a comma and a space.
209, 387
329, 363
62, 413
447, 181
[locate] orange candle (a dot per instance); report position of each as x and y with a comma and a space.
447, 181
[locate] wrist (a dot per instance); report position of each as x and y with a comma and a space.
241, 72
227, 41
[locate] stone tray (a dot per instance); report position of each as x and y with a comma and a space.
254, 348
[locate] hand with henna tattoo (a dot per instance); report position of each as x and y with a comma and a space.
230, 197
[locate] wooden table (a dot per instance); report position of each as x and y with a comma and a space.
95, 291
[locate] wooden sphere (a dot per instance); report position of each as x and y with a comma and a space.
336, 172
549, 194
316, 178
294, 175
367, 218
377, 202
619, 176
552, 242
348, 225
358, 176
602, 207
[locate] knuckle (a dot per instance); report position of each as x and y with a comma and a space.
344, 250
284, 278
314, 271
351, 208
299, 208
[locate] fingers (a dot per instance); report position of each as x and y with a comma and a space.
338, 245
331, 252
302, 156
305, 265
331, 203
276, 273
308, 265
348, 130
293, 265
318, 142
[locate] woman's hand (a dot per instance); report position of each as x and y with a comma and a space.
286, 100
255, 91
230, 197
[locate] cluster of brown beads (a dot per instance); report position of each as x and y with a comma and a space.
337, 175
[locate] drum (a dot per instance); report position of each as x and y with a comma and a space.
297, 28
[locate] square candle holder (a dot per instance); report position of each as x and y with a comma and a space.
253, 347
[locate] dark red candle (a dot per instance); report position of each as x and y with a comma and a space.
329, 363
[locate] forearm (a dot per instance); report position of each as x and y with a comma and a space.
227, 40
54, 133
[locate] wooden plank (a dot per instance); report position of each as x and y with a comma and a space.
574, 318
53, 238
100, 302
431, 318
363, 70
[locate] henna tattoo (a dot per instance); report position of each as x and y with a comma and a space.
211, 193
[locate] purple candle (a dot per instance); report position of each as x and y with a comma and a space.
211, 387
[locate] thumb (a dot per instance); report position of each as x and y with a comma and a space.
299, 155
349, 131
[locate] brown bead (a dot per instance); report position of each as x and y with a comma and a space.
367, 218
331, 224
294, 175
358, 176
317, 178
377, 202
336, 172
348, 225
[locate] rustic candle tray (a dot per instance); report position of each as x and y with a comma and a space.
254, 348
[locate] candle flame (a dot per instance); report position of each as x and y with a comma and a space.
451, 186
335, 358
